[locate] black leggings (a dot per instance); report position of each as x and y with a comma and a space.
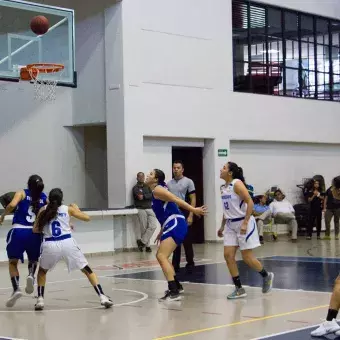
314, 216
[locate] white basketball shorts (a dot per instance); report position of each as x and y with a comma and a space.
233, 237
67, 250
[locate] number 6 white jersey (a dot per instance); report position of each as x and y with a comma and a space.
233, 206
60, 226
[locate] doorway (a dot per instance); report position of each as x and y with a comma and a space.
192, 158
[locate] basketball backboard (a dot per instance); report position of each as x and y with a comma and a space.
19, 46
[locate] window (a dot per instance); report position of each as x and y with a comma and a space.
282, 52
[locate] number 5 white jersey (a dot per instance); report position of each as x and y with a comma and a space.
60, 226
233, 206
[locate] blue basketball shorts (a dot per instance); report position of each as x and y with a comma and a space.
176, 227
21, 240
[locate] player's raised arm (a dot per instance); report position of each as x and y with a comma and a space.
165, 195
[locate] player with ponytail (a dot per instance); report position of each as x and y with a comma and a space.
54, 223
239, 230
20, 239
173, 228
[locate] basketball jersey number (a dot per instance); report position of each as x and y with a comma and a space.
56, 229
226, 205
31, 215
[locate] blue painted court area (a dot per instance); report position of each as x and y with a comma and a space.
293, 273
299, 334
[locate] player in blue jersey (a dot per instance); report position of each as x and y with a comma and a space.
173, 228
20, 239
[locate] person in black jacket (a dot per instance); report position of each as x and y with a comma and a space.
315, 196
332, 208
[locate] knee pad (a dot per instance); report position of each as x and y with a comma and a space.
88, 270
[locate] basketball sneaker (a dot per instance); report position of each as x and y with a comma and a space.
29, 285
40, 304
238, 293
171, 296
105, 301
268, 283
13, 299
328, 327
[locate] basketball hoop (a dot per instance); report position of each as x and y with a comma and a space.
44, 88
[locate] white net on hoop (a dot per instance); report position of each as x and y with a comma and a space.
45, 83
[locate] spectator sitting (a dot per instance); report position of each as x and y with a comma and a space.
250, 190
283, 213
147, 220
260, 207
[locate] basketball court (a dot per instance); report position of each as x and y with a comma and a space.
304, 272
297, 303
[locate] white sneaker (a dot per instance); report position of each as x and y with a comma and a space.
13, 299
106, 301
40, 304
328, 327
29, 285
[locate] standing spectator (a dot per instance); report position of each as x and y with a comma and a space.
184, 188
260, 207
315, 196
147, 220
332, 208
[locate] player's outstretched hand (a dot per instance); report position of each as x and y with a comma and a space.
2, 218
73, 205
201, 211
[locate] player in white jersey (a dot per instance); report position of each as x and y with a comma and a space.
239, 229
53, 222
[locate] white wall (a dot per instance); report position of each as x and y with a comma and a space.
178, 82
34, 137
266, 164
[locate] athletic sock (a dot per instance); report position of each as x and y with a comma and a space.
32, 267
178, 284
173, 286
41, 291
263, 273
15, 283
237, 282
98, 289
332, 314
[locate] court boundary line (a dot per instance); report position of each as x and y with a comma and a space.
222, 285
144, 297
285, 332
274, 316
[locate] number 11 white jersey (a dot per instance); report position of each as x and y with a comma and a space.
60, 226
233, 206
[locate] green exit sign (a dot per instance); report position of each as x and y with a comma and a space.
222, 152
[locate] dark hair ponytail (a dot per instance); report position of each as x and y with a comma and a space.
336, 182
159, 174
237, 171
35, 186
55, 199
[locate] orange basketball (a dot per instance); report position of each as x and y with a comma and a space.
40, 25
